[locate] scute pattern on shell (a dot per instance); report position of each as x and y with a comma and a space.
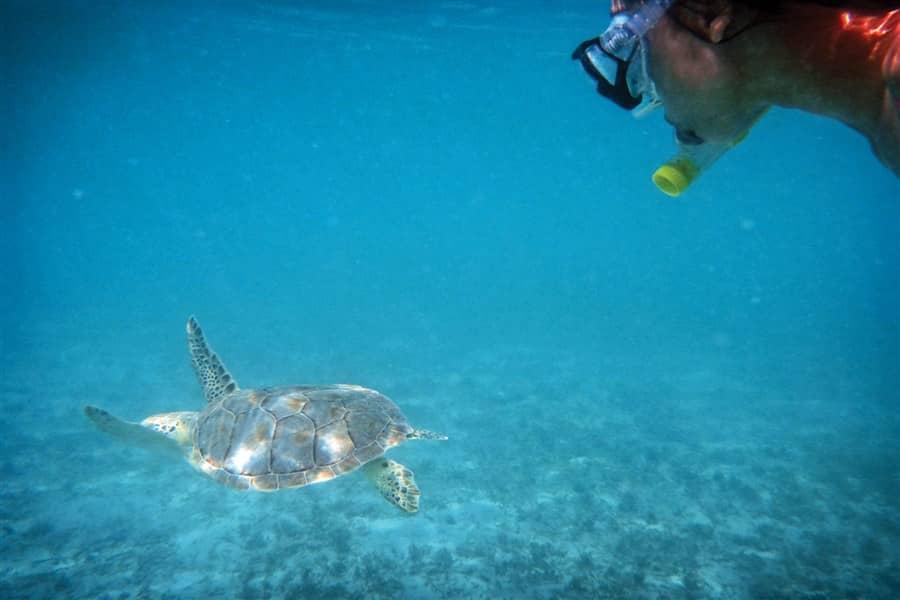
278, 438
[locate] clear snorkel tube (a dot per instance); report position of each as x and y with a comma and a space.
677, 174
627, 28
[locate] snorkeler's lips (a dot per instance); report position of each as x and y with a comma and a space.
688, 137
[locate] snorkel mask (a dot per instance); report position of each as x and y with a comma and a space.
617, 60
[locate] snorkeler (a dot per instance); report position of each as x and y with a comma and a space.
717, 65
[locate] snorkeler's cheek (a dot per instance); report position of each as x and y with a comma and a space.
708, 108
678, 57
705, 119
691, 110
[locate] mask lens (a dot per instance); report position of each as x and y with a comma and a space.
610, 73
605, 64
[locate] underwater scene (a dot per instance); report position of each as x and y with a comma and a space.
642, 396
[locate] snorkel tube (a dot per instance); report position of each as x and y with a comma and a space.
677, 173
626, 28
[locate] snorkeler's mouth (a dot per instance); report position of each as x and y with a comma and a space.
688, 137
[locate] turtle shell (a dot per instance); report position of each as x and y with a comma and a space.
276, 438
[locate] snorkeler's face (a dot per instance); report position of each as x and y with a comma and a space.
704, 95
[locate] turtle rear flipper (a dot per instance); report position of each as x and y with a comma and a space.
396, 483
217, 382
132, 433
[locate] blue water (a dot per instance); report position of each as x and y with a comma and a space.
644, 397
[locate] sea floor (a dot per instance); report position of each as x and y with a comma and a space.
564, 476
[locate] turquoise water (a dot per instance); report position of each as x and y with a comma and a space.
644, 397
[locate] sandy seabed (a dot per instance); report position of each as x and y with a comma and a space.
564, 477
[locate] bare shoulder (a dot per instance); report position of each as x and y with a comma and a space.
887, 144
890, 69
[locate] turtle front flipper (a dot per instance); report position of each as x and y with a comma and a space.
217, 382
395, 482
148, 436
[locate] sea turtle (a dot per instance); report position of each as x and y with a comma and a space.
282, 437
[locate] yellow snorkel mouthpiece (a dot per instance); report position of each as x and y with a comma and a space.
675, 176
